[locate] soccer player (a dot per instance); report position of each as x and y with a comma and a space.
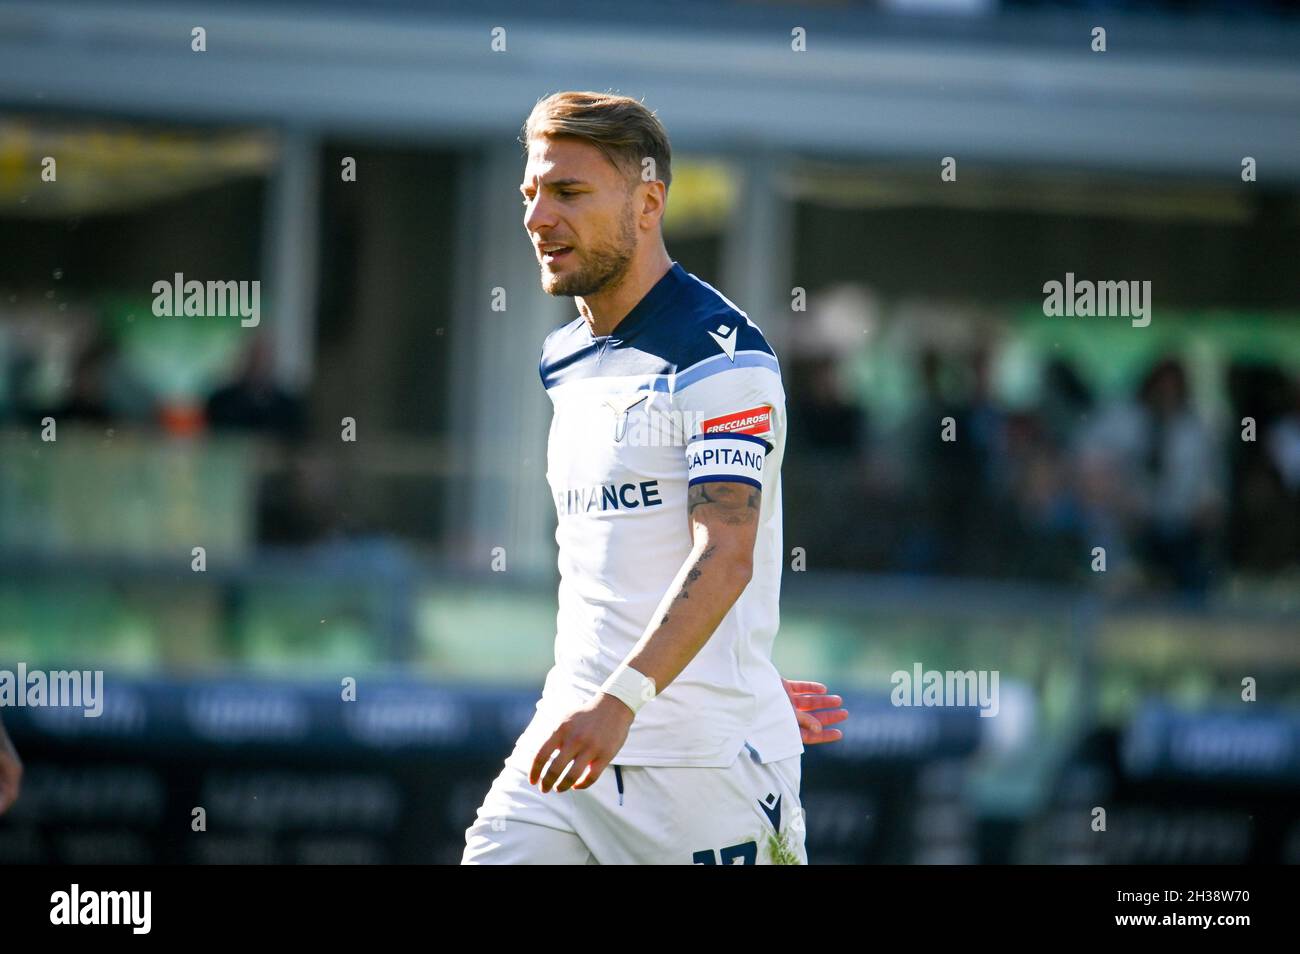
664, 462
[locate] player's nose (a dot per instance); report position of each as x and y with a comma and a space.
538, 214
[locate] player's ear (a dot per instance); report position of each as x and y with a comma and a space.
651, 199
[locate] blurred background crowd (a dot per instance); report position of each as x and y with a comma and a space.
1169, 489
1186, 490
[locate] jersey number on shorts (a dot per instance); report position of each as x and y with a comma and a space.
747, 851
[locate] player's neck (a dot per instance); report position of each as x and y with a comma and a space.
604, 310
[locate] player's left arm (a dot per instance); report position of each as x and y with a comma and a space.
808, 697
724, 524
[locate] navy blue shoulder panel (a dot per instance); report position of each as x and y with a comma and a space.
570, 353
689, 337
679, 323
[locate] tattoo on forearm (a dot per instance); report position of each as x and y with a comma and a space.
692, 575
733, 504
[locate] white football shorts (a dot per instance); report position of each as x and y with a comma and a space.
748, 813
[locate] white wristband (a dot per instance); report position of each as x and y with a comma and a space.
630, 687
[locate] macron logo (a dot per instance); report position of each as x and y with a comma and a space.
726, 339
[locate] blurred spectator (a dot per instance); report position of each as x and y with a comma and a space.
1284, 452
985, 420
1046, 518
821, 417
1264, 524
1066, 402
1284, 443
290, 508
1169, 483
1182, 467
87, 400
944, 476
254, 402
825, 431
19, 374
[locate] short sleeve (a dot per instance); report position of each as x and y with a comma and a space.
734, 420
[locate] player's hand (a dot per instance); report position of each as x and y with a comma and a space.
810, 697
589, 737
11, 772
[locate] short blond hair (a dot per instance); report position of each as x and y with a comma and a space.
623, 129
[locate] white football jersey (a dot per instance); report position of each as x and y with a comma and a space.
685, 390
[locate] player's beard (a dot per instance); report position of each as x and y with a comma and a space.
602, 266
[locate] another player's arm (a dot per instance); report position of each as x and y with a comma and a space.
723, 517
11, 771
